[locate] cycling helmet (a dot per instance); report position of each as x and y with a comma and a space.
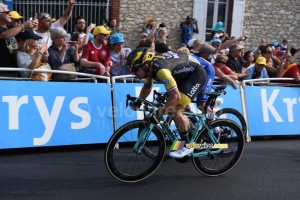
138, 57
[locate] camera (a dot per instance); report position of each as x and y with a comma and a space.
162, 25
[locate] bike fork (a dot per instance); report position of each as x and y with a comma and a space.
144, 135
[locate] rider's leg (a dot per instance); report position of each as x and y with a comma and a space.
201, 106
182, 123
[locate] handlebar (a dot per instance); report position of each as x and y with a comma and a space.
148, 106
157, 95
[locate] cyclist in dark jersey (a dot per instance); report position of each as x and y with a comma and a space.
183, 78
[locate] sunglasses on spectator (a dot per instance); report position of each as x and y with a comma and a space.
16, 20
215, 44
269, 52
5, 12
45, 16
261, 65
81, 23
239, 49
104, 34
219, 61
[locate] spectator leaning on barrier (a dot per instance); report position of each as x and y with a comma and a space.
96, 54
8, 42
61, 52
235, 60
292, 71
224, 72
258, 70
29, 54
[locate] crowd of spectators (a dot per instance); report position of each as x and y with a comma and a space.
101, 49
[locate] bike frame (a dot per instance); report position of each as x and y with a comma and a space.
166, 129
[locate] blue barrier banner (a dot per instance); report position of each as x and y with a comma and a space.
232, 99
54, 113
273, 110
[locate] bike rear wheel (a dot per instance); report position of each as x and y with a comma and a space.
127, 165
234, 115
222, 162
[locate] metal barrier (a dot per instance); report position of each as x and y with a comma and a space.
91, 76
94, 11
267, 81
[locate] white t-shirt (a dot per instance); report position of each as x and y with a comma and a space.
47, 36
24, 60
218, 35
245, 69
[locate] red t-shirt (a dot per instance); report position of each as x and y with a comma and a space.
92, 53
226, 70
291, 71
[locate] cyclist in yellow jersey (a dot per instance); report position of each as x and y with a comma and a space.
183, 78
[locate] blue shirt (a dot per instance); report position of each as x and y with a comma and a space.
54, 58
187, 32
210, 77
251, 70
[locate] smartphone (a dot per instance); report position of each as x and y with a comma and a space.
35, 16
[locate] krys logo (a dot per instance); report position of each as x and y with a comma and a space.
49, 116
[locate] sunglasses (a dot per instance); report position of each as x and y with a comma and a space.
261, 65
239, 49
214, 44
268, 52
134, 69
221, 62
5, 12
16, 20
45, 16
81, 23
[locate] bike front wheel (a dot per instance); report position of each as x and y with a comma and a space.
211, 163
126, 163
234, 115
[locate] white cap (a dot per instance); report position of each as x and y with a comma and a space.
191, 42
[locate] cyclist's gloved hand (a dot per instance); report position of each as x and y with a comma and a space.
161, 99
134, 105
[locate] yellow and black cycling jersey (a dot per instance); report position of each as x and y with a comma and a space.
178, 71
